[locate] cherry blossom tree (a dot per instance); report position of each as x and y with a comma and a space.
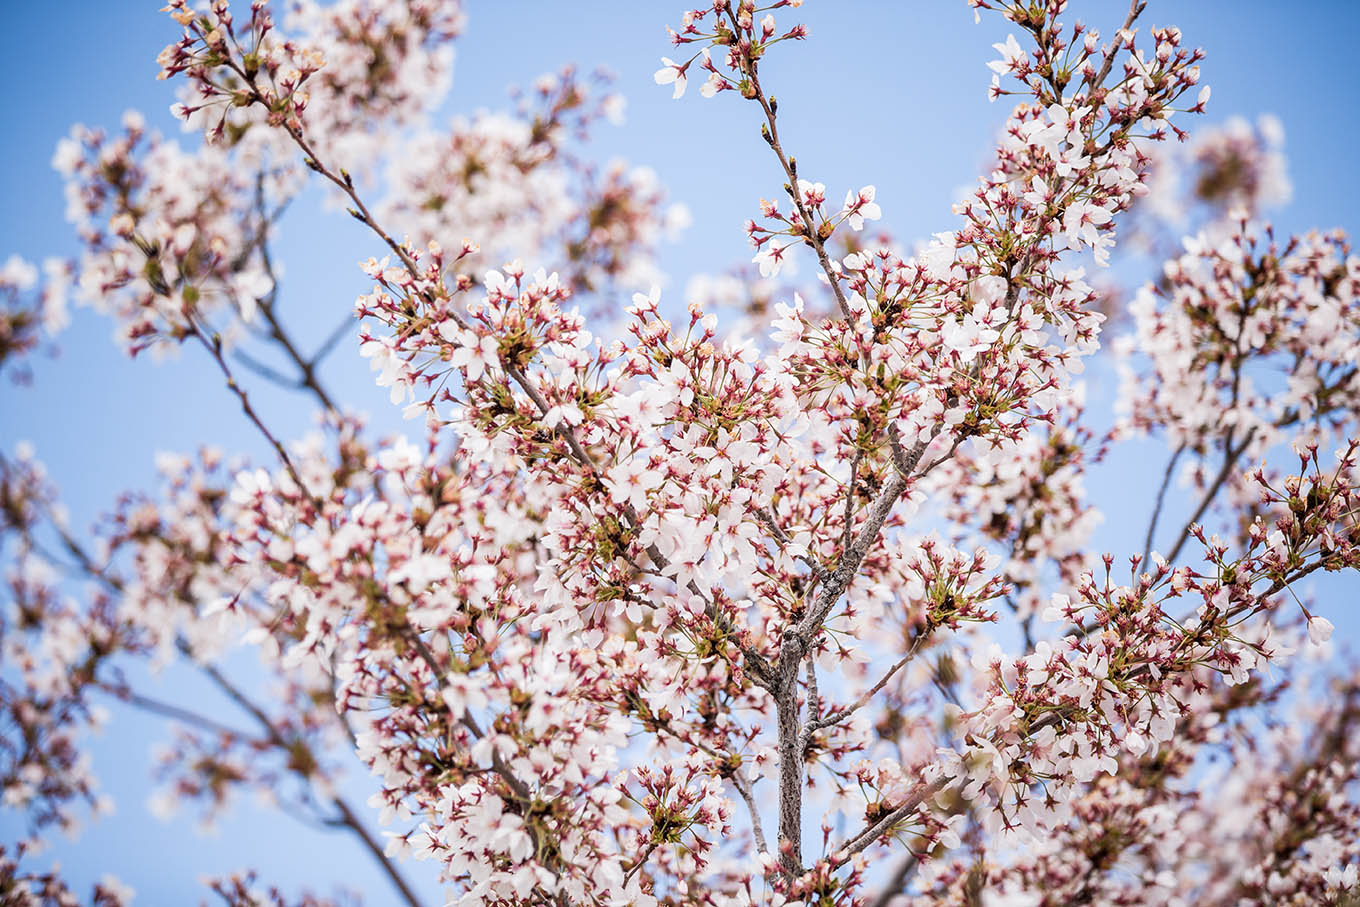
780, 596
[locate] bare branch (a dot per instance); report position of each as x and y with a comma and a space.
816, 724
923, 791
743, 786
1231, 455
1157, 508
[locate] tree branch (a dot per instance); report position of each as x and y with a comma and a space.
924, 791
1157, 508
1230, 457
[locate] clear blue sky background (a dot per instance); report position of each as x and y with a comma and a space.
889, 93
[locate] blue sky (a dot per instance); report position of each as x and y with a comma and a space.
888, 93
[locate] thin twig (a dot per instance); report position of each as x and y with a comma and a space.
1230, 458
352, 822
306, 367
1157, 508
267, 372
901, 875
836, 717
923, 791
766, 517
743, 786
810, 235
1136, 8
169, 710
334, 337
349, 819
214, 346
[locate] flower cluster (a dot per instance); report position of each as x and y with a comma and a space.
1228, 172
1246, 341
509, 181
26, 314
642, 595
172, 238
